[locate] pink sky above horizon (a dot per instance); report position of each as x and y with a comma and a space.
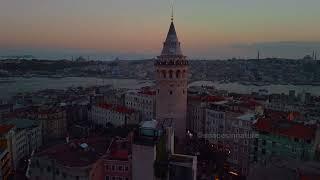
209, 28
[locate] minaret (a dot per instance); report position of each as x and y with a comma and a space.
312, 55
171, 83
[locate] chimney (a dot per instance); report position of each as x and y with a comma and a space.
67, 139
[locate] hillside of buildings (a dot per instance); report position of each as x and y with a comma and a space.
264, 71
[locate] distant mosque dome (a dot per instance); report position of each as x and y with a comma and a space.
307, 57
80, 58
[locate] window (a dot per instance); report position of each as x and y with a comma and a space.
120, 168
170, 92
107, 178
164, 75
178, 74
263, 142
107, 167
170, 74
113, 168
126, 168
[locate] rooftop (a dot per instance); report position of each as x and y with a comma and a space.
122, 109
78, 153
121, 154
116, 108
285, 128
22, 123
207, 98
150, 93
149, 124
247, 116
171, 46
5, 128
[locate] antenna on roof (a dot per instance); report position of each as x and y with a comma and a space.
172, 9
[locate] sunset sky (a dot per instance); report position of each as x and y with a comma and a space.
135, 29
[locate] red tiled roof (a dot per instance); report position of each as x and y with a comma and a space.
250, 103
309, 177
282, 114
105, 106
122, 109
119, 109
213, 98
5, 128
207, 98
122, 154
72, 155
285, 128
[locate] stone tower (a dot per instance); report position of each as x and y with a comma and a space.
171, 83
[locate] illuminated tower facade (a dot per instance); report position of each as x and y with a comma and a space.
171, 83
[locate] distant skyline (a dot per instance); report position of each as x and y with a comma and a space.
207, 29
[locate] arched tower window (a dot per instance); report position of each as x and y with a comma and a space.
164, 74
184, 73
178, 74
170, 74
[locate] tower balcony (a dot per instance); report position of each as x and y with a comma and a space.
171, 62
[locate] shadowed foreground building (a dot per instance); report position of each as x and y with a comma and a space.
153, 155
72, 160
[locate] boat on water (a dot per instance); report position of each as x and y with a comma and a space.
57, 76
245, 83
260, 83
27, 76
264, 91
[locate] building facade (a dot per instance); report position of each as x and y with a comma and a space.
27, 137
116, 165
229, 127
53, 122
106, 114
6, 145
285, 139
171, 83
5, 164
144, 101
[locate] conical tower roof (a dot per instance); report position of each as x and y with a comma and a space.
172, 45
